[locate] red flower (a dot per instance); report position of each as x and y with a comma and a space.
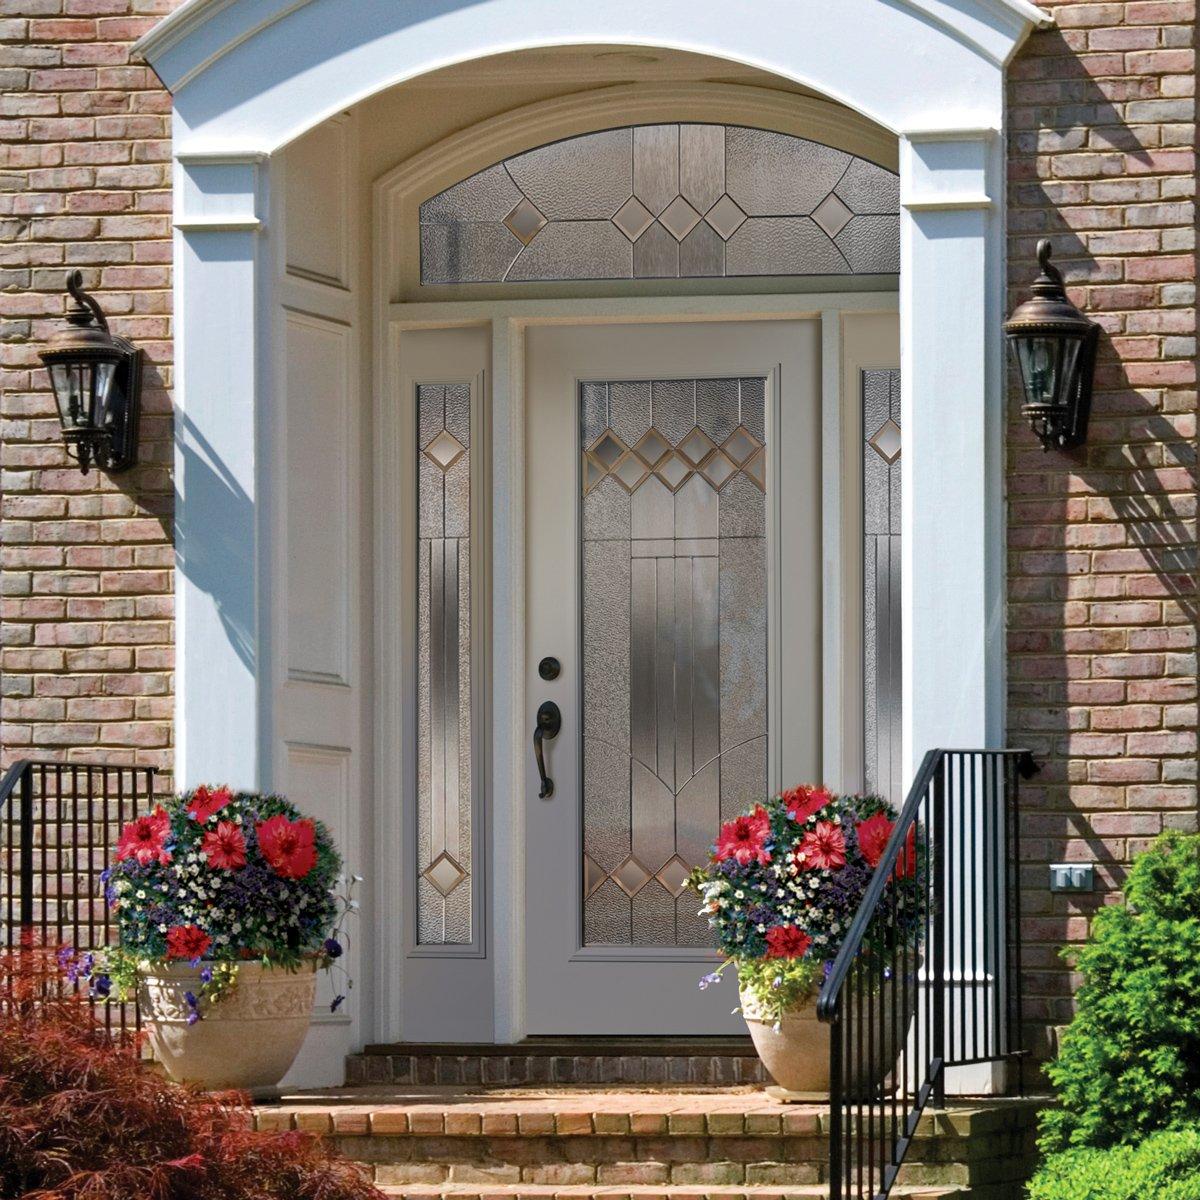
187, 941
224, 847
823, 848
145, 838
873, 835
787, 941
289, 846
804, 801
744, 838
205, 804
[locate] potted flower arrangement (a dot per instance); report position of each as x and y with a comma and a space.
781, 888
226, 906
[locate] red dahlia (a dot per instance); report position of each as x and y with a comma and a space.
873, 835
787, 941
823, 848
145, 839
803, 802
744, 838
224, 847
289, 846
205, 804
187, 941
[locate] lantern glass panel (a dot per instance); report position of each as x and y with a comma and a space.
1039, 360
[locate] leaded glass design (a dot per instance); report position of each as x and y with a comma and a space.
665, 202
444, 783
881, 582
674, 643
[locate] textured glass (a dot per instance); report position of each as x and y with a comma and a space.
881, 582
674, 642
444, 783
664, 202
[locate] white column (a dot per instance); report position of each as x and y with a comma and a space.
952, 256
951, 281
220, 673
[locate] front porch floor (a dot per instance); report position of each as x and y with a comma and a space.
661, 1143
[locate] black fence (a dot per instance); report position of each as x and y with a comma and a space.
929, 977
59, 826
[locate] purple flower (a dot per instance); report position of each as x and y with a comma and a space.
709, 980
193, 1017
206, 975
101, 985
337, 1003
65, 956
333, 948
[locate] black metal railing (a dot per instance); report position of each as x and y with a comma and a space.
59, 825
929, 976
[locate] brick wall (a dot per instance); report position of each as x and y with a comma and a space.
86, 656
1102, 542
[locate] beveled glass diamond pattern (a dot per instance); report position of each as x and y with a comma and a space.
737, 202
697, 445
740, 444
756, 469
593, 875
718, 468
680, 218
525, 221
653, 446
725, 217
630, 471
444, 873
832, 215
674, 875
445, 450
592, 474
631, 876
673, 470
609, 449
885, 441
633, 218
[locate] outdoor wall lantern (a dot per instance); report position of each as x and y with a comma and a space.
97, 381
1055, 348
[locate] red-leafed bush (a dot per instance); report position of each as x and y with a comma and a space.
81, 1118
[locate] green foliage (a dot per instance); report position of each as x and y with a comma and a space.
1129, 1064
780, 985
1166, 1166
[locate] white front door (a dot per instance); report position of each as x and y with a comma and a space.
673, 569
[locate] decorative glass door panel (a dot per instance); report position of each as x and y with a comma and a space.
674, 639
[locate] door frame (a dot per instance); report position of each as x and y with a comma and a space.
504, 577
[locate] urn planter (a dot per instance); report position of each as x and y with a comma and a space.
245, 1040
797, 1053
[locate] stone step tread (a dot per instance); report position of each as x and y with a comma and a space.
557, 1112
529, 1191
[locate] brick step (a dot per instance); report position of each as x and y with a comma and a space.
685, 1141
551, 1192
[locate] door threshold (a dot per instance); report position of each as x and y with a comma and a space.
581, 1046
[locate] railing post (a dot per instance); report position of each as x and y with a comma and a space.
937, 899
835, 1106
26, 854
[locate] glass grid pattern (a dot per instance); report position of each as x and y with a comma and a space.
883, 764
444, 783
665, 202
674, 638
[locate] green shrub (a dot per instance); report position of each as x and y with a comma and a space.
1166, 1166
1129, 1064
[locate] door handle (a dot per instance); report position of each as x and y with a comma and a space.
549, 722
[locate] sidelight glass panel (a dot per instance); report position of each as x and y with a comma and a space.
674, 640
881, 583
444, 783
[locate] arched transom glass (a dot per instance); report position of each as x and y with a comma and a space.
665, 202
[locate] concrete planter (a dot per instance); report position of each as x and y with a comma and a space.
797, 1054
246, 1040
